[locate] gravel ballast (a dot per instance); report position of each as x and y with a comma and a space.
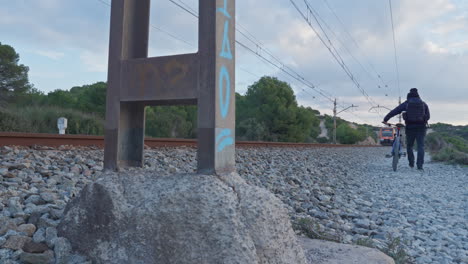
350, 194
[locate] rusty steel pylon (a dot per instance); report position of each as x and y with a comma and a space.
205, 78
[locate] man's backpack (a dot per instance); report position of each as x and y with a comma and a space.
415, 111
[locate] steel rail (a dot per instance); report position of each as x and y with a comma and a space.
55, 140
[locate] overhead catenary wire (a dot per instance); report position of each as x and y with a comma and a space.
395, 48
316, 17
245, 33
188, 6
353, 40
345, 47
330, 47
358, 117
186, 9
249, 72
282, 67
260, 48
161, 30
189, 10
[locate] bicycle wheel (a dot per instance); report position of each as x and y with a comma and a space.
396, 154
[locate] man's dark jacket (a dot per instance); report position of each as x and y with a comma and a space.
412, 97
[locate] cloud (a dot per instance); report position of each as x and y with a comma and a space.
94, 61
447, 27
432, 46
415, 13
54, 55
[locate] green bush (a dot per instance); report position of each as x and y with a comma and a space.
366, 242
311, 229
171, 121
251, 130
460, 131
447, 148
323, 140
269, 112
395, 249
43, 119
348, 135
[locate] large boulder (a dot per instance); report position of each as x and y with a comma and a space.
138, 216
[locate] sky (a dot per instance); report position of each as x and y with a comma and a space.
65, 44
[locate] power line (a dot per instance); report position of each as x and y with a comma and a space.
249, 72
395, 48
283, 68
189, 10
331, 48
188, 6
160, 29
363, 120
184, 8
272, 66
249, 37
316, 17
344, 46
260, 47
353, 40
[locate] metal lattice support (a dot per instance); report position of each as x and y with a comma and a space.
205, 78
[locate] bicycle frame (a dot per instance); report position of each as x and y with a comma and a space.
397, 152
397, 137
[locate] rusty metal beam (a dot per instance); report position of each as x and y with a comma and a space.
160, 79
124, 127
206, 78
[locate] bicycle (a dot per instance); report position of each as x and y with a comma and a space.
397, 145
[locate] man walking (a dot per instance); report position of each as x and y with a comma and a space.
416, 116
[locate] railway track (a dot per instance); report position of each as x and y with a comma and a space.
55, 140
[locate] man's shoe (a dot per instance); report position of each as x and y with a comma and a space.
411, 165
420, 169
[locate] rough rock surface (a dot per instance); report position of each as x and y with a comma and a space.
141, 217
326, 252
349, 194
37, 258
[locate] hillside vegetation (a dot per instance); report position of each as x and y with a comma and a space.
43, 119
460, 131
267, 112
447, 148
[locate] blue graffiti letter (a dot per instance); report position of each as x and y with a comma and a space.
224, 99
226, 46
224, 139
224, 10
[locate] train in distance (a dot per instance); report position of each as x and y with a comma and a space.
386, 136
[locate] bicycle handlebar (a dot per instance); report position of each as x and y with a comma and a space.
395, 125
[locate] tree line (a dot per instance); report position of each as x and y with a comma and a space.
268, 111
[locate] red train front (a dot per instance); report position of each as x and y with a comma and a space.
386, 136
